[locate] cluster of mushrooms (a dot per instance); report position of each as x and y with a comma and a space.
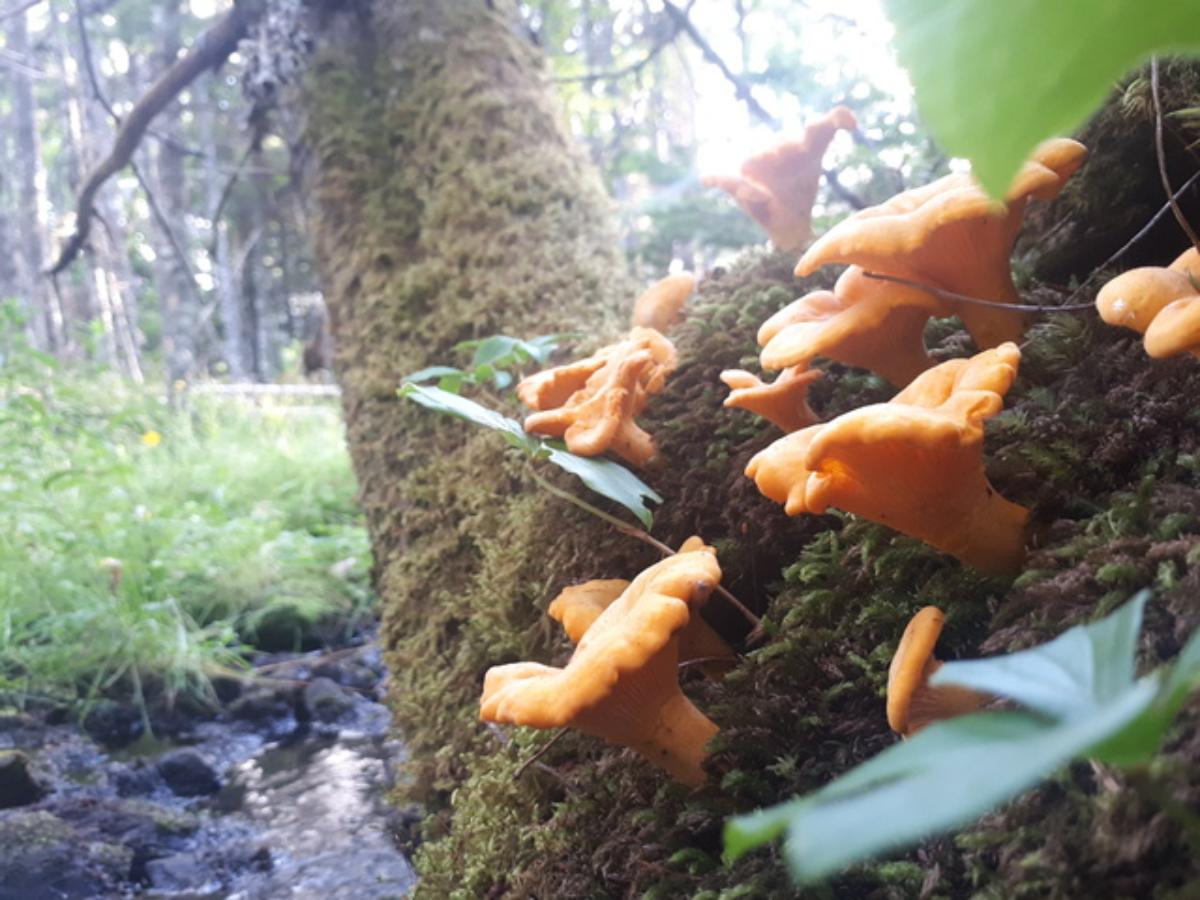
914, 463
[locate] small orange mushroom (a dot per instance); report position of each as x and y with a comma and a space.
1162, 304
863, 322
622, 683
951, 235
784, 402
912, 703
914, 464
578, 606
661, 305
777, 188
591, 403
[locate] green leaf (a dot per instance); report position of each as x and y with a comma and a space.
944, 777
994, 77
1085, 667
461, 407
603, 476
608, 478
449, 378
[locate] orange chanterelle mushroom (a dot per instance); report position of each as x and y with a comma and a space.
951, 235
661, 305
592, 403
777, 188
911, 702
578, 606
863, 322
783, 402
914, 463
622, 682
1163, 304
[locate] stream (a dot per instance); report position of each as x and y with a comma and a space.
279, 793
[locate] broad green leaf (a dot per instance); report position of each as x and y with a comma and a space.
1141, 739
944, 777
1085, 667
995, 77
432, 372
603, 476
494, 349
608, 478
453, 404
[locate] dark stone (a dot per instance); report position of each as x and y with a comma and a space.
134, 780
44, 857
113, 724
259, 703
188, 774
227, 689
286, 627
326, 701
19, 786
348, 673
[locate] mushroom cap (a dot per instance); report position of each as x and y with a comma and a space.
863, 322
784, 402
951, 235
1187, 263
777, 188
578, 606
1134, 298
624, 667
910, 666
1176, 329
598, 414
914, 463
661, 305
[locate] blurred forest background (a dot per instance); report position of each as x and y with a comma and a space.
196, 265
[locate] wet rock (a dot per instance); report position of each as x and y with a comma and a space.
19, 785
326, 701
113, 724
286, 626
181, 872
260, 704
188, 774
348, 673
134, 780
45, 857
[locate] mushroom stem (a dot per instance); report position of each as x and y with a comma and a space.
677, 743
992, 538
933, 704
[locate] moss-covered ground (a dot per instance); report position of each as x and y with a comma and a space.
1102, 442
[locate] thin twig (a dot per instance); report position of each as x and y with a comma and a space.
1162, 156
19, 9
741, 87
703, 660
835, 185
637, 533
539, 753
963, 298
623, 71
227, 191
1128, 245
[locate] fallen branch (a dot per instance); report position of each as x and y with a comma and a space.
210, 50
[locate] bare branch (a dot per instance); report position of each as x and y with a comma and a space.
210, 50
1162, 157
227, 191
847, 195
19, 10
631, 69
740, 86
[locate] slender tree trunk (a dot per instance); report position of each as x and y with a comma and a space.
178, 297
228, 302
45, 316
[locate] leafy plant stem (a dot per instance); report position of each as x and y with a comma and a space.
1162, 158
637, 533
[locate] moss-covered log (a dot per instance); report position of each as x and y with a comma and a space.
449, 204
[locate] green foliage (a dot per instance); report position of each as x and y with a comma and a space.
1082, 700
492, 358
993, 79
139, 546
603, 476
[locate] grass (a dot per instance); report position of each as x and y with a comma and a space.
144, 549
